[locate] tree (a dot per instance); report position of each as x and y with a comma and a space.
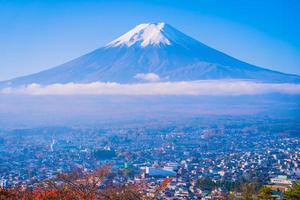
206, 184
80, 185
12, 193
130, 192
293, 193
265, 193
248, 190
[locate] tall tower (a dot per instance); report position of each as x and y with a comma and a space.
51, 145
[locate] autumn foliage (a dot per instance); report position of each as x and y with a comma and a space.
78, 185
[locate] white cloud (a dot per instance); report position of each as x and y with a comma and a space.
205, 87
150, 77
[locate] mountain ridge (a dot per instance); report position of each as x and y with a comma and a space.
157, 49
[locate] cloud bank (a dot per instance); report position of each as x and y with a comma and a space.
205, 87
150, 77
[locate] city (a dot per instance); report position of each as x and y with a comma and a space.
221, 151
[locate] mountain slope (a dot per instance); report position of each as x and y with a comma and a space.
153, 49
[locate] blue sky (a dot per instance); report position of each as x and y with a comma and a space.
37, 35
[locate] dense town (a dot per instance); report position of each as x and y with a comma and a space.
200, 158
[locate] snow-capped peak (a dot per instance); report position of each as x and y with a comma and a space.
143, 35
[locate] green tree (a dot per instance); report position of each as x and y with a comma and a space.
293, 193
206, 184
265, 193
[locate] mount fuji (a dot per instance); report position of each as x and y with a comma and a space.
153, 52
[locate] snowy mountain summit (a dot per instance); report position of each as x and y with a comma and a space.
152, 52
144, 35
